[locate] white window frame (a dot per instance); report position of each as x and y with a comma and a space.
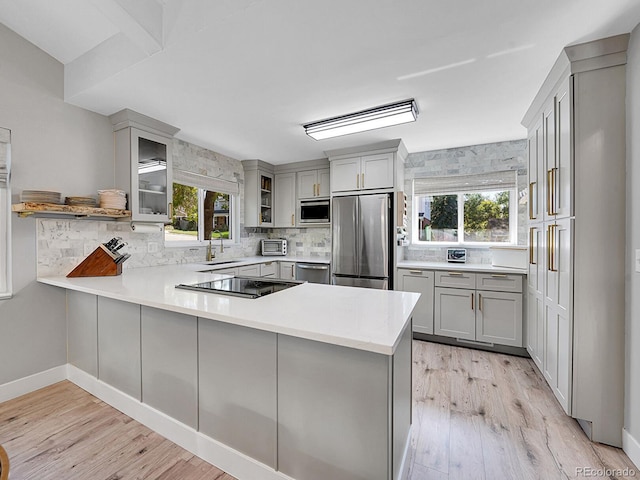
234, 213
513, 219
5, 215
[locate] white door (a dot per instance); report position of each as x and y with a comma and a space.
324, 182
377, 171
307, 182
345, 174
549, 155
562, 175
454, 313
499, 318
285, 200
419, 281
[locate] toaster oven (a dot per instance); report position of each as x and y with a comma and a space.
274, 246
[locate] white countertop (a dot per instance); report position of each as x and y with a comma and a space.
360, 318
469, 267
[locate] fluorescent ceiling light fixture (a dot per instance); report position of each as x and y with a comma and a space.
378, 117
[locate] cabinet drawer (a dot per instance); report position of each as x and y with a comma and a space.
268, 269
499, 282
414, 272
456, 279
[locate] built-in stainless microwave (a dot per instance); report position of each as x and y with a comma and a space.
314, 211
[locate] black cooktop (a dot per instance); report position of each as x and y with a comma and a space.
246, 287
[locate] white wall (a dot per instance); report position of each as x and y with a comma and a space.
632, 334
55, 146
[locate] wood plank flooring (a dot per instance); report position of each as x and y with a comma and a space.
481, 415
477, 415
61, 432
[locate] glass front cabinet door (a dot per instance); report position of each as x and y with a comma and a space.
151, 180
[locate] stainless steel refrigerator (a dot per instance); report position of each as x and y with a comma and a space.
361, 243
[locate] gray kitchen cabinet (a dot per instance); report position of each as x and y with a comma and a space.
365, 172
242, 395
82, 331
491, 313
249, 270
119, 360
359, 434
269, 269
285, 200
499, 318
258, 193
170, 364
288, 270
576, 331
226, 271
419, 281
454, 313
313, 183
143, 166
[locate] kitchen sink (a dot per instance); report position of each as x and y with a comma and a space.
213, 262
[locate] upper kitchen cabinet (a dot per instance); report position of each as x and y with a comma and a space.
313, 183
577, 209
285, 200
258, 194
143, 168
367, 168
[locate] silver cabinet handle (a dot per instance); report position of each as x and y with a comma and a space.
416, 272
313, 267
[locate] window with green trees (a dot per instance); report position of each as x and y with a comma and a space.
199, 215
465, 217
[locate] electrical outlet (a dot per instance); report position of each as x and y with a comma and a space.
638, 260
152, 247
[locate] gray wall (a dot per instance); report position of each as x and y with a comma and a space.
55, 146
632, 334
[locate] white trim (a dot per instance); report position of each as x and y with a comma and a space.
222, 456
22, 386
631, 447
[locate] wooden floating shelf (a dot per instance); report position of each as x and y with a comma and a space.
28, 208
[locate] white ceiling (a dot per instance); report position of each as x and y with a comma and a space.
242, 76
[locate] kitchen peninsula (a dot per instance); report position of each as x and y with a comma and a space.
311, 382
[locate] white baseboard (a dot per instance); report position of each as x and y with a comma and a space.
631, 447
22, 386
231, 461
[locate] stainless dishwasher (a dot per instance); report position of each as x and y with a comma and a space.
313, 272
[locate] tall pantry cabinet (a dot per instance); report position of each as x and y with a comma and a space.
575, 325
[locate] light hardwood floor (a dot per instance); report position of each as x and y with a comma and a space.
480, 415
62, 433
477, 415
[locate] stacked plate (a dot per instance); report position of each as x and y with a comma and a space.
40, 196
113, 199
81, 201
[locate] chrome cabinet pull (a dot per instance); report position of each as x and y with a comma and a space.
416, 272
455, 274
472, 301
480, 301
499, 275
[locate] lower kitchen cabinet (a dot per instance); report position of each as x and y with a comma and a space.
499, 318
269, 269
455, 314
170, 363
419, 281
238, 379
490, 316
249, 270
288, 270
119, 361
82, 331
